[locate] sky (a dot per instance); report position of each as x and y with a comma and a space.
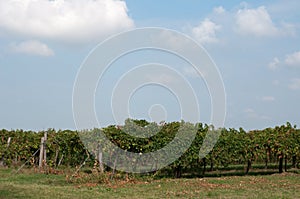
254, 44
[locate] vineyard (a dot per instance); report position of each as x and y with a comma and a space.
277, 148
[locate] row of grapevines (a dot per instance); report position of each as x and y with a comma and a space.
280, 145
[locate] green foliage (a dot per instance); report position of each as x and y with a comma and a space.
234, 147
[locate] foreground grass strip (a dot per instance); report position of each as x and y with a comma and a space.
34, 185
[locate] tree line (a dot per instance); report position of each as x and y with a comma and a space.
279, 145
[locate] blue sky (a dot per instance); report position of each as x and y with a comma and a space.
255, 45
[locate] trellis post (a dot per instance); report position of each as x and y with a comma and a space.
41, 152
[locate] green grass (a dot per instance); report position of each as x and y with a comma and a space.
33, 185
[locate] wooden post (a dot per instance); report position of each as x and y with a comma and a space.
41, 153
2, 163
56, 157
60, 160
285, 163
280, 167
248, 166
114, 169
100, 159
45, 147
8, 141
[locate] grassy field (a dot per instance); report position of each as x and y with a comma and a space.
34, 185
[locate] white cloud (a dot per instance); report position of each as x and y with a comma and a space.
171, 40
205, 32
219, 10
268, 98
255, 22
273, 65
32, 47
293, 59
64, 20
250, 113
290, 60
288, 29
295, 84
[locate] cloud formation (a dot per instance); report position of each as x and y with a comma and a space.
250, 113
205, 32
293, 59
255, 22
268, 98
32, 47
273, 65
64, 20
219, 10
